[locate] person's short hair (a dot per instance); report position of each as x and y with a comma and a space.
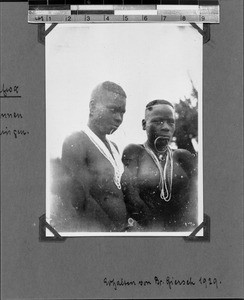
97, 92
150, 105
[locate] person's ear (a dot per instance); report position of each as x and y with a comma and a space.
143, 124
92, 106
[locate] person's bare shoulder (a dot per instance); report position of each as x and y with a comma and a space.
132, 152
187, 160
74, 148
183, 153
76, 139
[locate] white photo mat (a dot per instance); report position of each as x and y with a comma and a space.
149, 61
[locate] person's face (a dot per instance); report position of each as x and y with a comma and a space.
159, 122
108, 113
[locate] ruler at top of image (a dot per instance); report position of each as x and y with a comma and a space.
200, 11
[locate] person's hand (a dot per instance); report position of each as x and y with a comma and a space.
133, 225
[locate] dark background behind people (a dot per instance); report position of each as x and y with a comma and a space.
187, 122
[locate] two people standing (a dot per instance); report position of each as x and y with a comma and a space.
154, 187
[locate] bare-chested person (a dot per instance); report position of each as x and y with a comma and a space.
93, 166
160, 183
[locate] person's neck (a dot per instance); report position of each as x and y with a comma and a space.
151, 145
96, 130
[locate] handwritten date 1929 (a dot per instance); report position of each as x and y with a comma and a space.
207, 282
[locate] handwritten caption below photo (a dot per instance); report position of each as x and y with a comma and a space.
168, 282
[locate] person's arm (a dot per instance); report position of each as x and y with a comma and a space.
136, 207
74, 163
188, 162
75, 159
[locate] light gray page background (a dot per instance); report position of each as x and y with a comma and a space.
77, 267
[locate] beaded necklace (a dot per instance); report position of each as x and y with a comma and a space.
165, 182
113, 158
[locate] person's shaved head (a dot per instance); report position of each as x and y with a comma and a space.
104, 88
107, 107
159, 120
150, 106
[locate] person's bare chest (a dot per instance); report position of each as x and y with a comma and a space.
101, 171
148, 175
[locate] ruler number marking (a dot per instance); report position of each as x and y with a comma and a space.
39, 18
201, 15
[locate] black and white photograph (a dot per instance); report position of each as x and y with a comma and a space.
124, 129
121, 149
